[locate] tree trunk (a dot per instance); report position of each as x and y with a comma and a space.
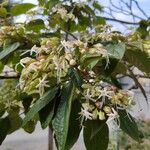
50, 138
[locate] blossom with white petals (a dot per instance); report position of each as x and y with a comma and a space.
112, 115
84, 113
33, 50
42, 84
105, 93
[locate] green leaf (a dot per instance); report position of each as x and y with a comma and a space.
61, 121
22, 8
50, 4
90, 61
83, 23
1, 66
29, 127
26, 101
4, 128
3, 12
8, 50
138, 57
46, 114
42, 2
99, 20
41, 103
15, 121
116, 50
74, 125
96, 135
76, 78
35, 25
97, 6
128, 125
2, 109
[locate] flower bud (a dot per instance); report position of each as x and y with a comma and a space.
72, 62
107, 109
83, 51
68, 56
92, 50
101, 115
94, 114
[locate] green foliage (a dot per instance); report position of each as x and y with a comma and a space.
8, 50
96, 135
138, 56
66, 61
35, 25
22, 8
46, 114
74, 125
41, 103
4, 128
61, 121
116, 50
128, 125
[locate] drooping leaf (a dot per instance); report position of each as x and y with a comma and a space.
22, 8
41, 103
128, 125
29, 127
46, 114
4, 128
8, 50
15, 121
74, 125
61, 121
96, 135
35, 25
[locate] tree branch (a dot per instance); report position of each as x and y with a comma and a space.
121, 21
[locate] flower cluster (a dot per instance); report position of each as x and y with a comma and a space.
102, 101
48, 66
10, 32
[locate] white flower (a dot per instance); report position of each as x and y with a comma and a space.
84, 113
42, 84
33, 50
25, 61
67, 45
112, 115
100, 50
33, 66
63, 12
88, 96
61, 66
105, 93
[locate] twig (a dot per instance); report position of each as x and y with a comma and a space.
121, 21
